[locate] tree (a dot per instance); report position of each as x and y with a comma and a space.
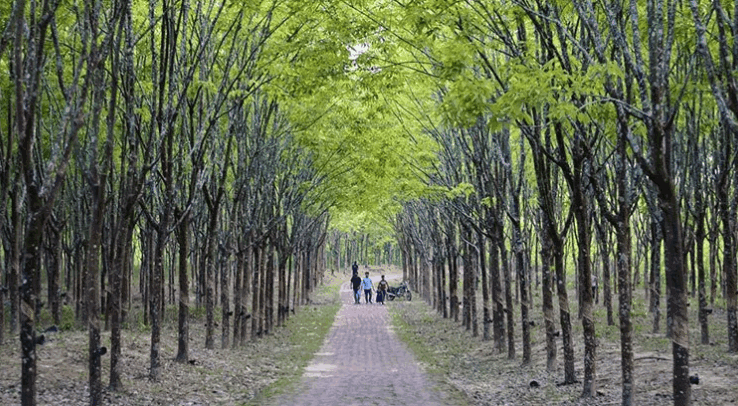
724, 89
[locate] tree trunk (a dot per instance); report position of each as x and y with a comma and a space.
581, 213
473, 285
256, 275
14, 261
677, 286
155, 302
246, 291
269, 290
93, 291
289, 271
453, 272
298, 276
27, 317
238, 311
700, 213
486, 316
98, 183
210, 265
283, 306
442, 282
467, 280
498, 307
183, 315
605, 259
263, 277
3, 289
548, 308
520, 265
509, 309
405, 259
53, 270
120, 264
729, 268
655, 281
624, 307
713, 242
703, 311
26, 73
564, 313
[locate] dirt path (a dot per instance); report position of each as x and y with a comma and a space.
362, 362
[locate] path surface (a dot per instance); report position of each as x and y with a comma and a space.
362, 362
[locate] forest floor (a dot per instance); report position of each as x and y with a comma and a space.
465, 366
231, 376
489, 378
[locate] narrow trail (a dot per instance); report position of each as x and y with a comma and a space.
362, 362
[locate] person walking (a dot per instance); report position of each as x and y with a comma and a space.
367, 285
382, 290
355, 268
356, 285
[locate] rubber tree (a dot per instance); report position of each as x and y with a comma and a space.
31, 29
724, 87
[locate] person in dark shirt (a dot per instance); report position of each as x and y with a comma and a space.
382, 290
355, 268
356, 285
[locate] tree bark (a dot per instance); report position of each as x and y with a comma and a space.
581, 213
655, 281
39, 197
678, 300
183, 315
269, 290
225, 269
520, 260
727, 215
53, 269
213, 204
246, 250
547, 299
564, 313
498, 307
93, 290
509, 306
606, 277
14, 262
486, 316
468, 281
624, 307
256, 275
238, 310
453, 272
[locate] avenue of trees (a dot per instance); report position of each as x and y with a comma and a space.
224, 155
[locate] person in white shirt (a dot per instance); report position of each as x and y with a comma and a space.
367, 285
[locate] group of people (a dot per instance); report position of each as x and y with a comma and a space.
366, 284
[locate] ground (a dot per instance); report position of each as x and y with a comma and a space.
433, 361
211, 377
488, 378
